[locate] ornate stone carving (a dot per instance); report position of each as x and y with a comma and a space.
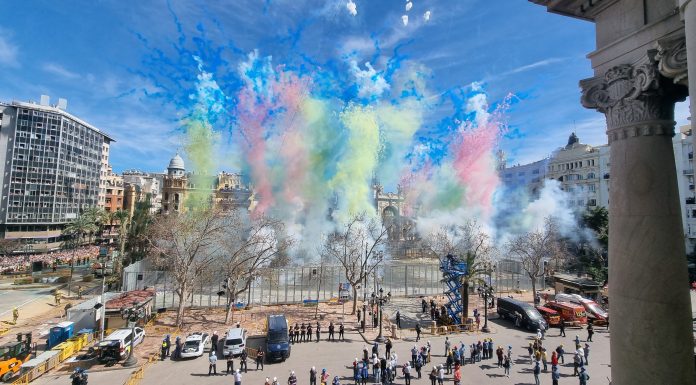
635, 100
671, 57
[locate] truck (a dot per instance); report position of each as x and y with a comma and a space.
277, 338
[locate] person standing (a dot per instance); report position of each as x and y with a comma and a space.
357, 372
341, 330
554, 359
292, 380
212, 363
586, 351
448, 344
590, 332
313, 376
259, 359
214, 342
318, 331
440, 375
433, 376
583, 376
499, 353
561, 352
406, 370
418, 332
237, 377
544, 358
243, 361
506, 365
398, 319
164, 349
537, 371
324, 377
358, 313
374, 319
457, 375
423, 304
562, 327
414, 354
309, 332
331, 332
303, 331
388, 347
555, 375
577, 360
419, 365
230, 365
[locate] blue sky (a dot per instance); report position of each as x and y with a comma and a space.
129, 69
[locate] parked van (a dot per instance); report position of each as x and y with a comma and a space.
122, 338
595, 313
522, 313
571, 313
277, 339
235, 342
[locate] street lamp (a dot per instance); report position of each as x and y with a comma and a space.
380, 302
132, 315
487, 289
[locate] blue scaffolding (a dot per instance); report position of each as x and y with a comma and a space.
452, 272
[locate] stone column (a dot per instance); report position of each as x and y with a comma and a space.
651, 337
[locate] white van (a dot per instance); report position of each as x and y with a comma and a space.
235, 342
123, 337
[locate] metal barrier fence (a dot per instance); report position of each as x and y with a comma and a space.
296, 284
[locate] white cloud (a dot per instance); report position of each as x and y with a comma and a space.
371, 84
58, 70
352, 8
426, 16
526, 67
404, 19
8, 51
409, 5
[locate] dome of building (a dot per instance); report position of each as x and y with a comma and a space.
177, 163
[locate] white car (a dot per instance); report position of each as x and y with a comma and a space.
195, 345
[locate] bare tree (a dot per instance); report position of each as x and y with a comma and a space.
185, 245
535, 247
248, 245
7, 246
357, 246
465, 243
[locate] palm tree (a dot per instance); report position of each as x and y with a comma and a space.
477, 269
76, 230
123, 218
98, 216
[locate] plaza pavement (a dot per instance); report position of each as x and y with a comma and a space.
337, 357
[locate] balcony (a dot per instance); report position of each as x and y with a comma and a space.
691, 201
688, 172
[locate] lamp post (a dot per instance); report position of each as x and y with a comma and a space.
132, 315
380, 303
487, 289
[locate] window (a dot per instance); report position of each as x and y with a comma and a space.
520, 173
535, 172
591, 175
591, 187
592, 202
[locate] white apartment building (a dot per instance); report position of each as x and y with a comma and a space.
684, 162
577, 167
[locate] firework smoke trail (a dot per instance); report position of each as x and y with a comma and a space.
208, 105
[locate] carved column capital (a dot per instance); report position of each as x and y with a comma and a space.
635, 99
671, 57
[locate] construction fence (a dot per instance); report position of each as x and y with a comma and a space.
297, 284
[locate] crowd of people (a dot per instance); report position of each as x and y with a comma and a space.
22, 263
303, 332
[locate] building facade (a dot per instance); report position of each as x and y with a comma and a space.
139, 186
227, 191
528, 176
51, 170
577, 168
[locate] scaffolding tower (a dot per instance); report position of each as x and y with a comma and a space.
452, 271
